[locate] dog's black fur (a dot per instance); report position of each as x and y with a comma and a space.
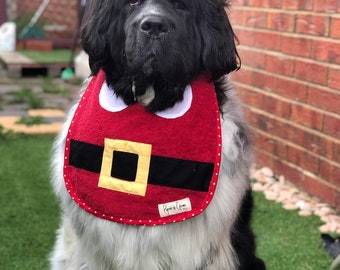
165, 44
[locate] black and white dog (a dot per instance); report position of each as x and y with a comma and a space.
151, 167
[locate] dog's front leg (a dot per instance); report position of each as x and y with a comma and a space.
67, 253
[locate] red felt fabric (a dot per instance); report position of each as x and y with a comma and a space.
194, 136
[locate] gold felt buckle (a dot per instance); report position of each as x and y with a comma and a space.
137, 187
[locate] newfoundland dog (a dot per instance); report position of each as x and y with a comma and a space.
151, 167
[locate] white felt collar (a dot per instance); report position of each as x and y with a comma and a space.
110, 102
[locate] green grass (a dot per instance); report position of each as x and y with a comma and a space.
48, 57
287, 241
29, 212
29, 215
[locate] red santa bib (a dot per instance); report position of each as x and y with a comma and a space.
129, 165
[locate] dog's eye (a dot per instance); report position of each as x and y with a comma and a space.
134, 2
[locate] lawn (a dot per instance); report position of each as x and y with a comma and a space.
30, 216
48, 57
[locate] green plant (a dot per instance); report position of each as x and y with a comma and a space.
20, 96
50, 87
35, 102
26, 95
6, 134
32, 120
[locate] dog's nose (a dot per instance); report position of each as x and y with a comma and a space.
154, 26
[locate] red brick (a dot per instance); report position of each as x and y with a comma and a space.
262, 158
261, 122
333, 151
285, 139
330, 172
267, 40
280, 21
303, 159
277, 128
314, 143
291, 89
335, 27
311, 72
312, 24
268, 125
265, 143
296, 46
279, 65
264, 81
336, 152
325, 5
270, 145
244, 75
319, 188
290, 4
245, 37
283, 130
258, 3
307, 117
236, 16
291, 174
329, 101
239, 2
252, 58
337, 200
326, 51
334, 78
332, 126
274, 3
293, 134
305, 4
254, 18
250, 97
276, 106
280, 150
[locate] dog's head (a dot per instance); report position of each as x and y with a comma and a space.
150, 50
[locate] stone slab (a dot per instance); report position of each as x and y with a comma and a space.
15, 58
52, 113
9, 123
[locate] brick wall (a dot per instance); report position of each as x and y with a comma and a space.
290, 83
58, 12
3, 12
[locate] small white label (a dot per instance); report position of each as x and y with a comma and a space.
173, 208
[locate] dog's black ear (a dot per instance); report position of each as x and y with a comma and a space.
219, 54
95, 35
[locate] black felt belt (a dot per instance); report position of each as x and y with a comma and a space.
163, 171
